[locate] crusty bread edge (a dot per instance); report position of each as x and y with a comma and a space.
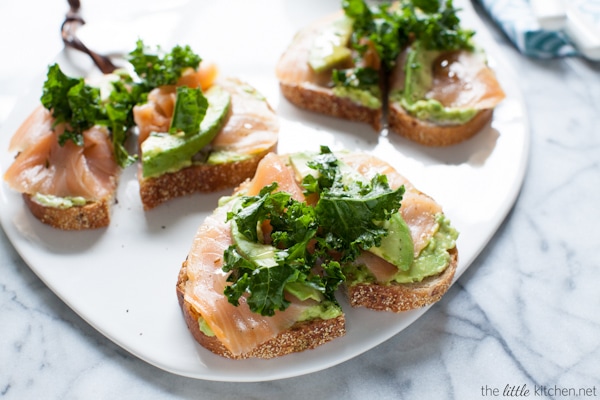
302, 336
90, 216
324, 101
431, 134
199, 178
399, 297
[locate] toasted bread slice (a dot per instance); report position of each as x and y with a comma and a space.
432, 134
240, 333
322, 100
423, 217
460, 80
90, 216
311, 90
301, 336
249, 133
45, 168
197, 178
398, 297
421, 230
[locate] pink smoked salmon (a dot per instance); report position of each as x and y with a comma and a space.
155, 115
43, 166
461, 79
252, 126
238, 328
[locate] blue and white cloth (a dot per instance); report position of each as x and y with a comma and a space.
580, 36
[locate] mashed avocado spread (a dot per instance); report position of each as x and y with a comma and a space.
368, 98
62, 203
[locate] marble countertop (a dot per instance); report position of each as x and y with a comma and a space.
522, 321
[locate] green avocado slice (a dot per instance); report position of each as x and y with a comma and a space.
397, 247
164, 152
330, 47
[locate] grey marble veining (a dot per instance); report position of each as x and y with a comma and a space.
527, 311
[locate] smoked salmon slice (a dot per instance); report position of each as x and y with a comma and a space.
238, 328
460, 79
42, 166
155, 115
251, 128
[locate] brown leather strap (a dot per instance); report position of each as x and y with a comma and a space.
68, 31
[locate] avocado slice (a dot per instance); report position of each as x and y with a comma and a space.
397, 247
330, 47
299, 162
164, 152
261, 254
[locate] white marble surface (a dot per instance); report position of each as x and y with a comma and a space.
527, 312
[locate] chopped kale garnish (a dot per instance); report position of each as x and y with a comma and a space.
306, 244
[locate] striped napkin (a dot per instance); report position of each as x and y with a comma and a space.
549, 28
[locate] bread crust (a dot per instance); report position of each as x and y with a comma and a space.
90, 216
431, 134
200, 178
399, 297
323, 101
301, 336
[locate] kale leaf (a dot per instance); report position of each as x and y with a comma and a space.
360, 78
73, 102
119, 110
190, 109
390, 28
294, 226
348, 209
155, 70
309, 243
438, 28
80, 106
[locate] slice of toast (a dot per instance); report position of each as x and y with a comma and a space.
197, 178
432, 134
240, 333
311, 90
301, 336
249, 133
67, 186
423, 216
460, 80
90, 216
202, 282
398, 297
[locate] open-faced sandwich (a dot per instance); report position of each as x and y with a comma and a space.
198, 133
411, 59
194, 135
261, 276
321, 72
68, 161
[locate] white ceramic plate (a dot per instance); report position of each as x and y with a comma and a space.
122, 279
